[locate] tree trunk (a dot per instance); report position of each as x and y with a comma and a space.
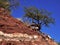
39, 25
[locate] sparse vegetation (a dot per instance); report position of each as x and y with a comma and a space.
7, 4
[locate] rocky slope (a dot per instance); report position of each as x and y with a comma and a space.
15, 32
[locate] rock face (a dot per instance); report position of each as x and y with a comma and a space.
15, 32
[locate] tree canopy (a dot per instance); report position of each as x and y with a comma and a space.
38, 16
7, 4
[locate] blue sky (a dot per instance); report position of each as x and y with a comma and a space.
52, 6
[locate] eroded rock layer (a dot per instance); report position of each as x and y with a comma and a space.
15, 32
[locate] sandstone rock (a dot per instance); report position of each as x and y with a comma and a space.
15, 32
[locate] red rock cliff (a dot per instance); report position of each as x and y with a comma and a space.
15, 32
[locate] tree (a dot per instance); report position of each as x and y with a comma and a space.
38, 17
7, 4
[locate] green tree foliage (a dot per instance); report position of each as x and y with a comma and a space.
7, 4
39, 17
